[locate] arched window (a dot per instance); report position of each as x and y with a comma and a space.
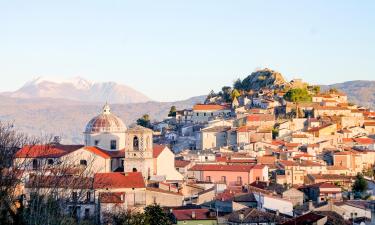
135, 143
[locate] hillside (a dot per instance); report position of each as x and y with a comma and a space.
361, 92
68, 118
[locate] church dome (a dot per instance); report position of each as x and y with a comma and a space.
105, 122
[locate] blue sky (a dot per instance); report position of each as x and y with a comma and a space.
172, 50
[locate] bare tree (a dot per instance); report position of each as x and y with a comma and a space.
48, 192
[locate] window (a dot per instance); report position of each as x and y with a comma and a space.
204, 114
134, 169
50, 161
88, 196
87, 213
208, 178
35, 164
74, 196
135, 143
223, 179
239, 180
113, 145
83, 162
197, 114
212, 114
96, 142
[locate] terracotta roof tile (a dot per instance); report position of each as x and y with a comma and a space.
118, 180
181, 163
46, 151
157, 150
112, 197
186, 214
210, 167
203, 107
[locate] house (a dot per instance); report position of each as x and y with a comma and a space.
131, 184
273, 203
294, 195
202, 113
370, 126
253, 216
311, 218
321, 192
323, 131
76, 192
42, 156
182, 166
193, 217
232, 175
341, 180
214, 137
164, 198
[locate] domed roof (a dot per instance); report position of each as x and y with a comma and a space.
105, 122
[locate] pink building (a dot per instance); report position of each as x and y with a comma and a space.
232, 175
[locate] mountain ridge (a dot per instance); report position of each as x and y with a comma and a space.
78, 89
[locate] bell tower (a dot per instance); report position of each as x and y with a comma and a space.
139, 151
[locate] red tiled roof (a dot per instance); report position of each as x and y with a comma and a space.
246, 128
112, 197
46, 151
204, 107
210, 167
260, 117
118, 180
59, 182
186, 214
104, 153
157, 150
372, 123
181, 163
364, 140
288, 163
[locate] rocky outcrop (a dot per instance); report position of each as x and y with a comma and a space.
265, 78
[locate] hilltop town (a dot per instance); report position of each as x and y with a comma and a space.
261, 151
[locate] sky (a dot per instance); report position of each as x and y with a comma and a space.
172, 50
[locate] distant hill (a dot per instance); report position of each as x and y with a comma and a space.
79, 89
67, 118
360, 92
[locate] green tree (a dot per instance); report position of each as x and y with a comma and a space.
144, 121
172, 111
155, 216
360, 184
297, 95
225, 93
333, 90
316, 89
238, 84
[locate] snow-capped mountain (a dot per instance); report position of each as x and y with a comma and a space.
78, 89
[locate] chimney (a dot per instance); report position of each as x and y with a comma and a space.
311, 206
193, 214
277, 213
122, 197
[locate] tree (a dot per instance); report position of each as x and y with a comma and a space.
172, 111
235, 94
316, 89
238, 84
226, 92
360, 184
333, 91
155, 216
298, 95
144, 121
